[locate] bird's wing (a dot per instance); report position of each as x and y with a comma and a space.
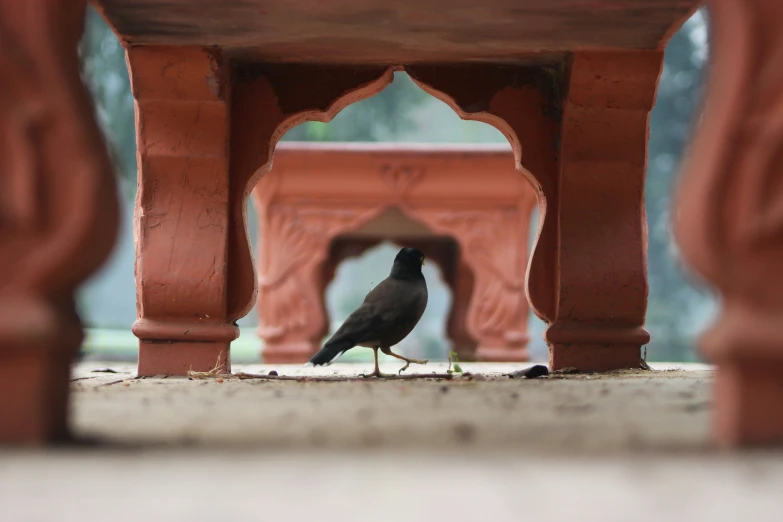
384, 306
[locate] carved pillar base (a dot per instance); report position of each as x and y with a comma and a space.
38, 344
35, 390
595, 347
173, 347
176, 358
745, 344
161, 358
593, 357
749, 401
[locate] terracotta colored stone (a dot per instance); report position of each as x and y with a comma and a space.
592, 292
461, 285
577, 128
182, 209
729, 221
205, 135
267, 102
316, 193
403, 31
602, 288
58, 213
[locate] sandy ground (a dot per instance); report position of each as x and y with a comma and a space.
631, 446
615, 413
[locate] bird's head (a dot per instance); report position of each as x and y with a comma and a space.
408, 263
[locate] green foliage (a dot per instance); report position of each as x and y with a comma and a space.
454, 366
674, 300
106, 76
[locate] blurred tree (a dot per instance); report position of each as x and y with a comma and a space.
106, 76
674, 299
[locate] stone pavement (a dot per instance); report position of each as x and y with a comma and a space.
632, 446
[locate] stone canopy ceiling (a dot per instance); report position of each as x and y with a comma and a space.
401, 31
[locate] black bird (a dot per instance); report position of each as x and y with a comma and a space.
386, 316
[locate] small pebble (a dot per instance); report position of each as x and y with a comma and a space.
444, 389
465, 432
273, 373
219, 379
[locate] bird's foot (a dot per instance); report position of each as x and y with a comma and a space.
408, 363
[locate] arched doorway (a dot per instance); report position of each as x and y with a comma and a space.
466, 207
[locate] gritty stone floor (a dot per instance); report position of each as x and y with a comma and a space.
627, 446
580, 413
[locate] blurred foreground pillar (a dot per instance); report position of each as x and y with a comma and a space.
58, 213
729, 217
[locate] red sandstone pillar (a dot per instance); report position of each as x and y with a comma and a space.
58, 213
182, 209
602, 250
587, 275
729, 221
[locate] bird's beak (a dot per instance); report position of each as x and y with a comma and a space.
423, 262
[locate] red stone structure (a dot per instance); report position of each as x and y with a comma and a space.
322, 202
215, 89
569, 82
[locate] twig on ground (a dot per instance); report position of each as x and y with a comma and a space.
112, 382
214, 372
341, 378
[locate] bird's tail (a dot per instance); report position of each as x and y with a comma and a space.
332, 350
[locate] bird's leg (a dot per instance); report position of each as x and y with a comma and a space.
407, 360
377, 372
